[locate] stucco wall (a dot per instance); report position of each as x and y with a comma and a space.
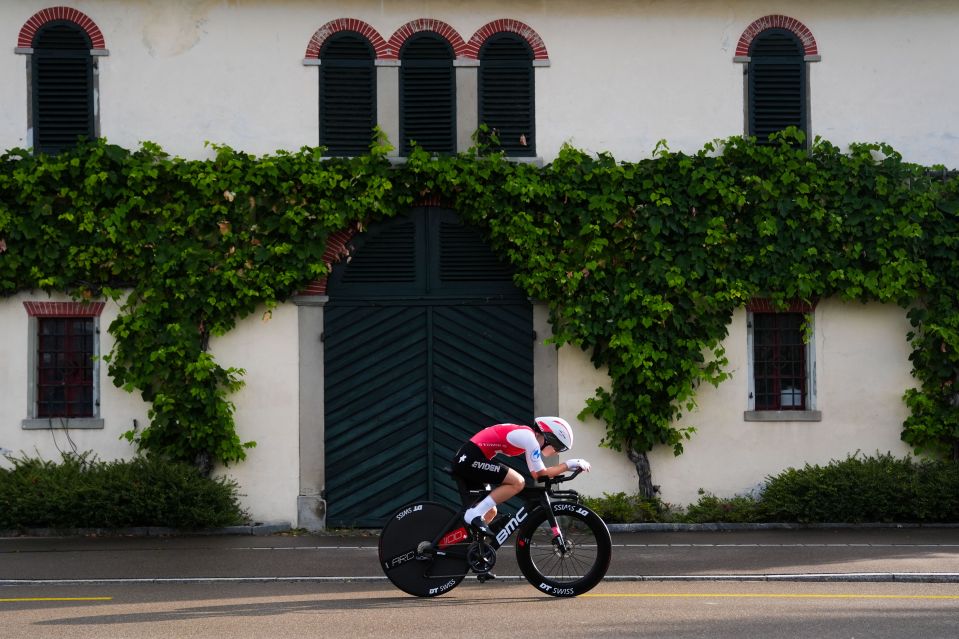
118, 408
266, 408
862, 371
621, 77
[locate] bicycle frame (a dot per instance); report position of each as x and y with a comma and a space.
427, 548
537, 497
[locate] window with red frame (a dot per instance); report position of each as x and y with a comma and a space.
65, 349
779, 361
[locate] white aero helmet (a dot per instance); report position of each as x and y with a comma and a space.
557, 432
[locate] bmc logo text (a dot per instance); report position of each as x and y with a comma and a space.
511, 525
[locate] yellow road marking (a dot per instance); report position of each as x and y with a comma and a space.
770, 596
19, 599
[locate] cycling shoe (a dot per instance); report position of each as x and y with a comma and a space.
479, 525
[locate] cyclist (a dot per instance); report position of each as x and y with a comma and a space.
474, 463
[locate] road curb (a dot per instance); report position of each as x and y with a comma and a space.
876, 577
257, 529
274, 527
725, 527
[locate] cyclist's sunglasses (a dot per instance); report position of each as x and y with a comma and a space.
552, 440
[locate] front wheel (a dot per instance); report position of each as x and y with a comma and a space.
408, 558
570, 568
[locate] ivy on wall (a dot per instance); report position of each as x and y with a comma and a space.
642, 263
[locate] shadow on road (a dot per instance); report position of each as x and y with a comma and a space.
274, 608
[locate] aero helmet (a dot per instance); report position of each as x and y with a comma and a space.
556, 431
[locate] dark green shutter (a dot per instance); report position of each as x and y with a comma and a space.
428, 94
62, 87
777, 84
465, 257
506, 93
421, 351
347, 94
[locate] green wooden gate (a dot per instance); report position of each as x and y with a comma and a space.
426, 341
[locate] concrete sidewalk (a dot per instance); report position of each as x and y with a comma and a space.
807, 554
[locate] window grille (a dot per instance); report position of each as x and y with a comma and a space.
779, 361
65, 367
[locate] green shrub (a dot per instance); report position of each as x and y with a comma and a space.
712, 509
865, 489
83, 492
857, 489
620, 508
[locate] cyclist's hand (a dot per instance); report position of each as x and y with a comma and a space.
578, 464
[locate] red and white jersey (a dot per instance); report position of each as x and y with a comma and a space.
511, 440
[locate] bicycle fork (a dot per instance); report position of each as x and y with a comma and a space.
558, 541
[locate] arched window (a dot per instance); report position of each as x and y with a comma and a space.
776, 84
506, 92
427, 93
347, 94
62, 77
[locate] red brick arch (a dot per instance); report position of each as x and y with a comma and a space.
322, 34
338, 247
512, 26
42, 17
777, 22
427, 24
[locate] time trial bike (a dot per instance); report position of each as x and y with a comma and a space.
563, 548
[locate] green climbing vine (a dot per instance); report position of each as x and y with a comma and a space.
642, 263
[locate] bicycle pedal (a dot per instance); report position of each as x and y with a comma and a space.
483, 577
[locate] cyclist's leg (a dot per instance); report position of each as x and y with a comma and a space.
511, 486
472, 467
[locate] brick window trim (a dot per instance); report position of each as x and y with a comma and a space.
810, 48
319, 38
44, 16
462, 49
764, 305
64, 309
521, 29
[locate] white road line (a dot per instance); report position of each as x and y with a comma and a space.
910, 577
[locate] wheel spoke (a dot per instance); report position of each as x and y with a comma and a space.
580, 558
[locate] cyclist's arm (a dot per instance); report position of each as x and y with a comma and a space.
551, 472
534, 456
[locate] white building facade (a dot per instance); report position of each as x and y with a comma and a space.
606, 76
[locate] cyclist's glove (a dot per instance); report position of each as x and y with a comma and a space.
578, 464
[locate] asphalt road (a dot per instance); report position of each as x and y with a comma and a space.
873, 582
863, 554
719, 610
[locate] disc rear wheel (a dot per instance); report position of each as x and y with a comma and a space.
408, 558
